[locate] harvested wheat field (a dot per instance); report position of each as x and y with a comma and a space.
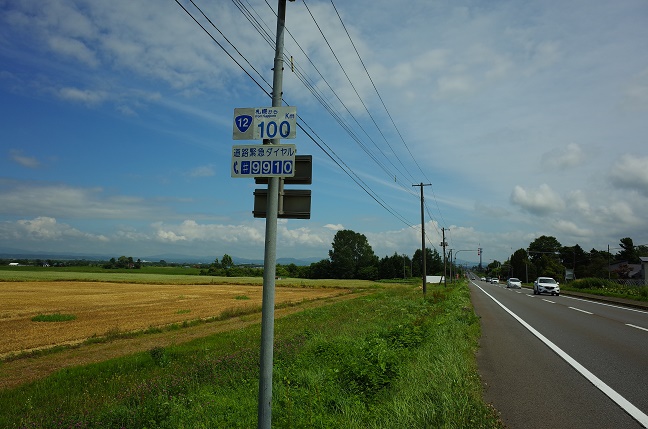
104, 309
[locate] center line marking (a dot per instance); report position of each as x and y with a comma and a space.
546, 300
582, 311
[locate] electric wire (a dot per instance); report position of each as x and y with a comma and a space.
298, 70
367, 189
386, 110
354, 88
380, 98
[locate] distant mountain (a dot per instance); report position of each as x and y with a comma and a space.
11, 253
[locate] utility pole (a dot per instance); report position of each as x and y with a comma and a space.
423, 253
444, 244
270, 257
451, 266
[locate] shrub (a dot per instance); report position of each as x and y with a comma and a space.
56, 317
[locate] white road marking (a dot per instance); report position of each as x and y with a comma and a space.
635, 412
578, 309
606, 304
638, 327
546, 300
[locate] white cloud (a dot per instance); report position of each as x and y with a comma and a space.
569, 228
539, 202
571, 155
60, 201
631, 172
73, 48
336, 227
203, 171
636, 92
25, 161
86, 96
44, 229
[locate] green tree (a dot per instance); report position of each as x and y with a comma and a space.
628, 252
392, 267
321, 270
543, 245
519, 264
122, 262
433, 263
227, 262
595, 265
575, 258
352, 256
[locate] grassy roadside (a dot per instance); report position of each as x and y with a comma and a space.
389, 359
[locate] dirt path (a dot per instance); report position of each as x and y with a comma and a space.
24, 370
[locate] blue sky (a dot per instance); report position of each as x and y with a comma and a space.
528, 119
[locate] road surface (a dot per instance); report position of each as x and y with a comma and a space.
562, 362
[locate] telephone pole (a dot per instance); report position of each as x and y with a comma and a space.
264, 415
444, 244
423, 253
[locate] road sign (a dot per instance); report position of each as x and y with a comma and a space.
296, 203
263, 160
303, 172
258, 123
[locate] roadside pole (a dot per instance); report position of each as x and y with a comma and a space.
423, 252
270, 257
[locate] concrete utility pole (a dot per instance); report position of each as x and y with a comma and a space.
423, 253
444, 244
270, 257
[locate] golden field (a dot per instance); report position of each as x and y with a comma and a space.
103, 308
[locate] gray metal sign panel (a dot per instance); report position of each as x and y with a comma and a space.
296, 203
258, 123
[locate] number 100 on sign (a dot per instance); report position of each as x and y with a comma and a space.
258, 123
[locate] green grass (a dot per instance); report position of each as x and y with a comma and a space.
55, 317
603, 287
389, 359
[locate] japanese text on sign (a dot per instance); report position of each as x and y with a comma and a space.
257, 123
263, 160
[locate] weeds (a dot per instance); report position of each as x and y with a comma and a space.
56, 317
390, 359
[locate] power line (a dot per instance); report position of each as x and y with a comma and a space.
354, 88
304, 80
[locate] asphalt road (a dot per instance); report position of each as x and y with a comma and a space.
562, 362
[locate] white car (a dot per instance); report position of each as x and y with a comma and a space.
514, 283
546, 285
494, 281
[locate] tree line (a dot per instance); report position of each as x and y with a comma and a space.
351, 257
545, 256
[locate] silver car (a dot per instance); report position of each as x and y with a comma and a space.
514, 283
546, 285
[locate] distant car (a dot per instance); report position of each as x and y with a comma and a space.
514, 283
495, 280
483, 279
488, 279
546, 285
